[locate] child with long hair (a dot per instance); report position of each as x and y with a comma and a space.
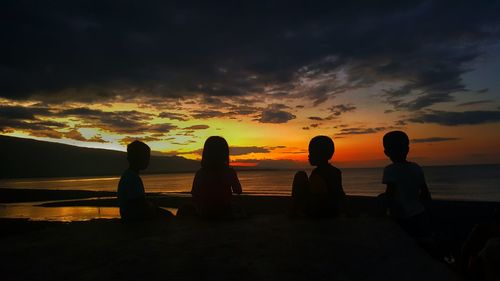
216, 181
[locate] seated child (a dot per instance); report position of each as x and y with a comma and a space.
478, 238
487, 268
215, 182
320, 195
131, 196
406, 190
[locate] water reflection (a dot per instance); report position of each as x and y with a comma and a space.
64, 214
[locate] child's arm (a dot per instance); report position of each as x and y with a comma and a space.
196, 188
235, 183
425, 195
390, 189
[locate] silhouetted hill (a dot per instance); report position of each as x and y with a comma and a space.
22, 158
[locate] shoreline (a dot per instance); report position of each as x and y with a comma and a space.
453, 216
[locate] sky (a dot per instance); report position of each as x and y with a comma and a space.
266, 75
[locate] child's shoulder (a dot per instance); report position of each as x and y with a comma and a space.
328, 169
129, 173
216, 172
406, 168
334, 168
129, 178
414, 165
405, 165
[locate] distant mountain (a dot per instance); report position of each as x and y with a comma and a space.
24, 158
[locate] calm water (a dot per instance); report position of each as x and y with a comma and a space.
480, 182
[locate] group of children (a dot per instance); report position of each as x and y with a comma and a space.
319, 195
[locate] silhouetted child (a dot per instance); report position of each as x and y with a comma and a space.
320, 195
488, 261
473, 262
215, 182
407, 190
131, 195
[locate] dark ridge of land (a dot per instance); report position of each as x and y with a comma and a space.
27, 158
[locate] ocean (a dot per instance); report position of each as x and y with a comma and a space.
473, 182
476, 183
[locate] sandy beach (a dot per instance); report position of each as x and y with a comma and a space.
360, 245
267, 247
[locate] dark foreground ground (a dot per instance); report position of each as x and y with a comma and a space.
361, 245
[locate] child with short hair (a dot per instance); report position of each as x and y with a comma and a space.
215, 182
320, 195
131, 195
406, 190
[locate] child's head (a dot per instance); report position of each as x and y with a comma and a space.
396, 146
321, 149
215, 153
138, 154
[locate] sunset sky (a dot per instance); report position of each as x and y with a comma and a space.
266, 75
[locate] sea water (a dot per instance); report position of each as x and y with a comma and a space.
475, 182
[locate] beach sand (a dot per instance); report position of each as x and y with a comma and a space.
266, 246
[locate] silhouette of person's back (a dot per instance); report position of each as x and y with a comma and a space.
406, 190
320, 195
215, 182
471, 258
131, 194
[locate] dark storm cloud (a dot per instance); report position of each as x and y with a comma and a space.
173, 116
131, 122
433, 139
244, 110
315, 118
244, 150
451, 118
146, 139
28, 119
339, 109
33, 125
206, 114
76, 135
36, 119
100, 50
274, 114
474, 102
22, 112
197, 127
360, 131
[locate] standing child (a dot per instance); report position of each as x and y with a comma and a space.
406, 190
215, 182
131, 196
320, 195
